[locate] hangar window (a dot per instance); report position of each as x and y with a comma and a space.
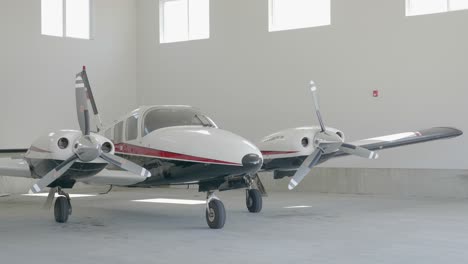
424, 7
183, 20
118, 133
294, 14
69, 18
132, 127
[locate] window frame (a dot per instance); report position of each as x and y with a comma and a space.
64, 21
187, 33
134, 127
448, 9
275, 28
122, 136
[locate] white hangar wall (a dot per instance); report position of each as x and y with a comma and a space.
38, 72
253, 82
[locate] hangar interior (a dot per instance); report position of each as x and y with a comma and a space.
253, 79
254, 82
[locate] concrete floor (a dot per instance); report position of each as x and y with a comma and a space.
335, 229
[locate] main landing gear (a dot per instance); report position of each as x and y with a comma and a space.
62, 208
215, 212
253, 200
253, 197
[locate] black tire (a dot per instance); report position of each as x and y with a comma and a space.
254, 201
61, 209
215, 214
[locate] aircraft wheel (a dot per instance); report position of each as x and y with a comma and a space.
254, 201
62, 209
215, 214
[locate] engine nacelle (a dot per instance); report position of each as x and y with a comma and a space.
292, 142
59, 145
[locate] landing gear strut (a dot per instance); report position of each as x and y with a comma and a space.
62, 208
215, 212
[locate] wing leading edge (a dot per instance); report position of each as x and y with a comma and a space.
14, 168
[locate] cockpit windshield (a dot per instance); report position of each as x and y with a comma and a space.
160, 118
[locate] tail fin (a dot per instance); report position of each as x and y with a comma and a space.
82, 78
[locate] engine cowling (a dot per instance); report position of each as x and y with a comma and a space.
60, 145
292, 142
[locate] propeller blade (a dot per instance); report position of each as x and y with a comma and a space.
53, 175
313, 88
82, 105
50, 198
305, 168
358, 151
84, 76
125, 164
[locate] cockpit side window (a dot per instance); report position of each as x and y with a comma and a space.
132, 127
118, 132
160, 118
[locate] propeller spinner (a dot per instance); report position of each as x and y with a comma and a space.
326, 142
86, 148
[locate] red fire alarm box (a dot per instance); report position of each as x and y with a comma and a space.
375, 93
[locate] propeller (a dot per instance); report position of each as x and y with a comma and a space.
86, 148
84, 76
326, 142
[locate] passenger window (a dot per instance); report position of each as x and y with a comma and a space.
118, 135
131, 128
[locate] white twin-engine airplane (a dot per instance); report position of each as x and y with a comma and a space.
179, 145
157, 145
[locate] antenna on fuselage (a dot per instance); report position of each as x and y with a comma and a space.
97, 117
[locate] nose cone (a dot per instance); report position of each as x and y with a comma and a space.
252, 162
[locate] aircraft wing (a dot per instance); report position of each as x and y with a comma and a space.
113, 177
403, 139
14, 167
18, 167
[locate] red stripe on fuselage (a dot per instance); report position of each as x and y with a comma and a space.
128, 149
265, 152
